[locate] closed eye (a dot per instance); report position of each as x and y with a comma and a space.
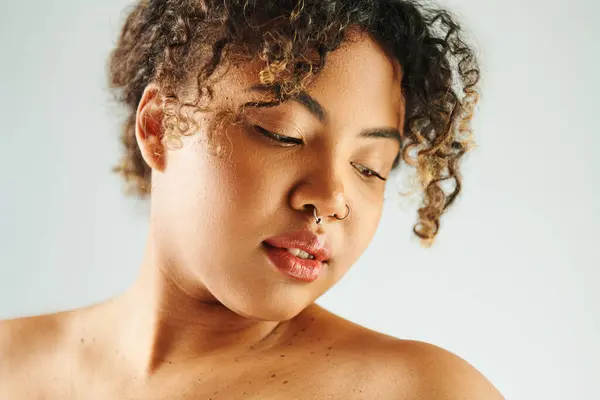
277, 137
290, 141
367, 172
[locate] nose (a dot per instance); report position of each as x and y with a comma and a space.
323, 190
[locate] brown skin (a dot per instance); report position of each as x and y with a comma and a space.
209, 318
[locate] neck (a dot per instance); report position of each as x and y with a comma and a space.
168, 319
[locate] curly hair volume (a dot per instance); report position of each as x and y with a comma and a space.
167, 41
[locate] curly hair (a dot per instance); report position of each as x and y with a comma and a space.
167, 41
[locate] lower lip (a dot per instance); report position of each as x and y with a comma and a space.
305, 270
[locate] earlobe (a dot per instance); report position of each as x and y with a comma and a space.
148, 128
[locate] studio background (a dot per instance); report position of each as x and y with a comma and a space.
511, 284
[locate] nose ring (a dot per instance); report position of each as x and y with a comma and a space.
319, 219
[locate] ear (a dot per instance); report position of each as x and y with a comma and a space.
148, 128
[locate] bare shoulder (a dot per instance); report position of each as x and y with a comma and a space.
26, 345
392, 368
22, 336
437, 373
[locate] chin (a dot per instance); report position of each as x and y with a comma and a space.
267, 308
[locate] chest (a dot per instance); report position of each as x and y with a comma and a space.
262, 379
271, 381
279, 387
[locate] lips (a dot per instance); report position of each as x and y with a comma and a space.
305, 240
302, 269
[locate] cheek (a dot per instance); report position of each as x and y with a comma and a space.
363, 228
189, 197
219, 193
358, 234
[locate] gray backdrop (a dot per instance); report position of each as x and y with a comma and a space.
512, 284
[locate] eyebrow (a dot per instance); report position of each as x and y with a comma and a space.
316, 109
303, 98
386, 133
312, 105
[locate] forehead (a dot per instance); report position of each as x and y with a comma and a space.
359, 85
360, 80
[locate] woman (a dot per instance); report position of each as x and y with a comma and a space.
264, 132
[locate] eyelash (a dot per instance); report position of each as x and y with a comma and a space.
370, 172
289, 141
276, 137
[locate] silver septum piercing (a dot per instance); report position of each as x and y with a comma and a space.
319, 219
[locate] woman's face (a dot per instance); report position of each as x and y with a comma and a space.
211, 215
